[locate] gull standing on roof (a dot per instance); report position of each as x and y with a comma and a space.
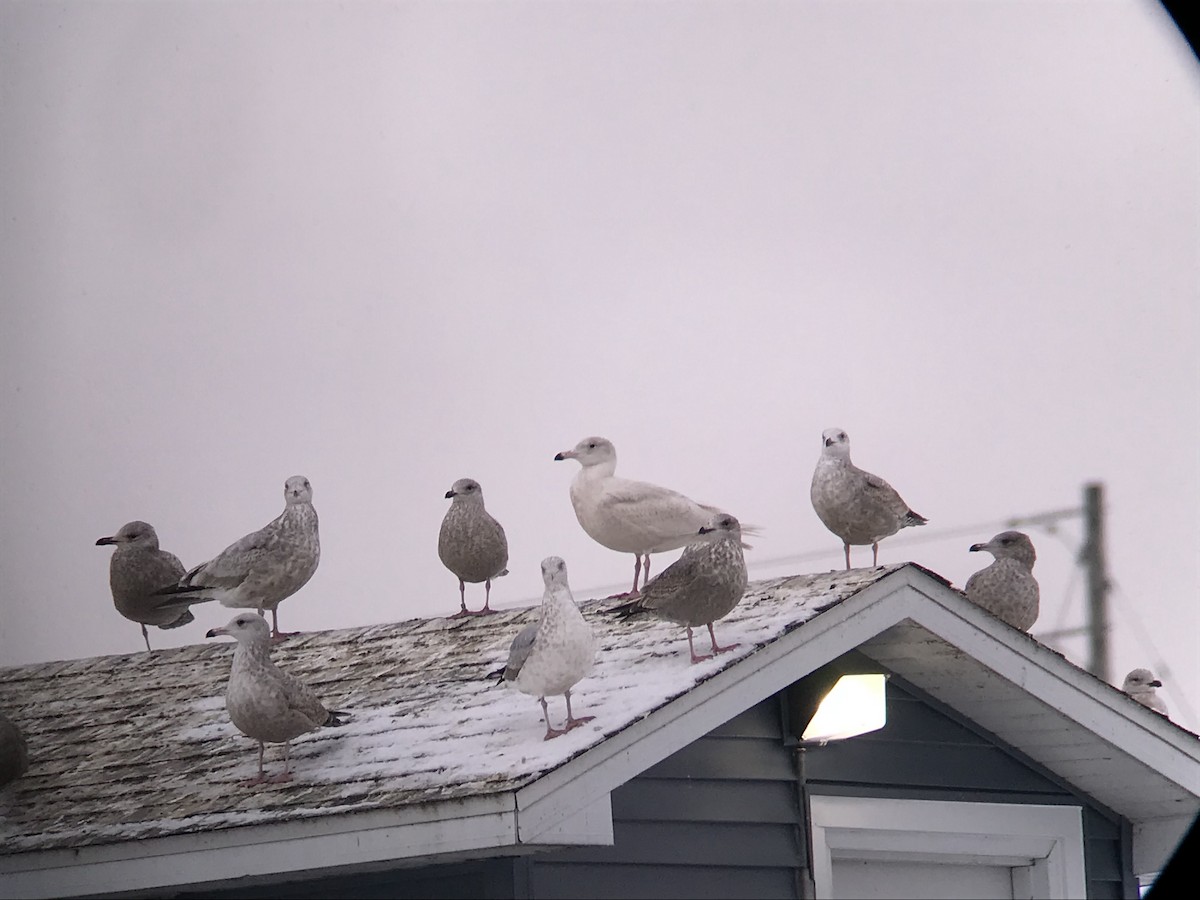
1141, 685
264, 568
14, 755
264, 702
471, 543
137, 570
551, 655
703, 585
630, 516
858, 507
1007, 588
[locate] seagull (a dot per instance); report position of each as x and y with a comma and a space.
264, 702
703, 585
1140, 684
631, 516
551, 655
855, 505
471, 543
137, 571
265, 567
14, 755
1007, 588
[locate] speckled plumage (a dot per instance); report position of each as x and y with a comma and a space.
1007, 588
264, 568
700, 587
264, 702
137, 571
630, 516
857, 506
1142, 686
472, 544
550, 656
14, 755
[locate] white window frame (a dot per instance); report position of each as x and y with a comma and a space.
1042, 844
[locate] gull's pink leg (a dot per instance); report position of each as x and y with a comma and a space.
692, 648
716, 648
286, 774
646, 571
262, 775
637, 570
550, 732
146, 637
276, 634
875, 554
847, 546
573, 722
462, 599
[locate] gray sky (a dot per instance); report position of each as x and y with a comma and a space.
389, 245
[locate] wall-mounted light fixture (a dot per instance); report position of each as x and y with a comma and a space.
856, 704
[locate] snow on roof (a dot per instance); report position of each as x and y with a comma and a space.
136, 746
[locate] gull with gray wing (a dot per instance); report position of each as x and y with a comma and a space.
550, 656
700, 587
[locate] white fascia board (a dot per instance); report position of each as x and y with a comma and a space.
672, 727
1154, 840
295, 847
590, 826
1141, 734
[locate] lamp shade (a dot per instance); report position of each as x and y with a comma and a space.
855, 705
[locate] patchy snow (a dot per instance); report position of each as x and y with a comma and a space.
139, 746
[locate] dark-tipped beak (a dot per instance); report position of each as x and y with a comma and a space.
828, 441
105, 540
213, 632
449, 494
560, 456
704, 529
975, 547
1156, 683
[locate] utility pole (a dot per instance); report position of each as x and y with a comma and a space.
1092, 558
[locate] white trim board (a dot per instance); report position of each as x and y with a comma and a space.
1042, 844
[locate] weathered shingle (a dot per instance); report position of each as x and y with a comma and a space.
125, 747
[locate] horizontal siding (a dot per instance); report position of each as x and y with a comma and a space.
617, 880
703, 800
728, 758
699, 844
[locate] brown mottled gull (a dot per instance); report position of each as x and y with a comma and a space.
1141, 685
264, 702
858, 507
471, 544
700, 587
631, 516
1007, 588
264, 568
137, 571
14, 755
549, 656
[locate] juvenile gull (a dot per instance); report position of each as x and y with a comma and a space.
630, 516
1141, 685
137, 571
703, 585
471, 543
855, 505
551, 655
1007, 588
264, 568
14, 756
264, 702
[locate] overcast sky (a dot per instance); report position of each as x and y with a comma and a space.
390, 245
